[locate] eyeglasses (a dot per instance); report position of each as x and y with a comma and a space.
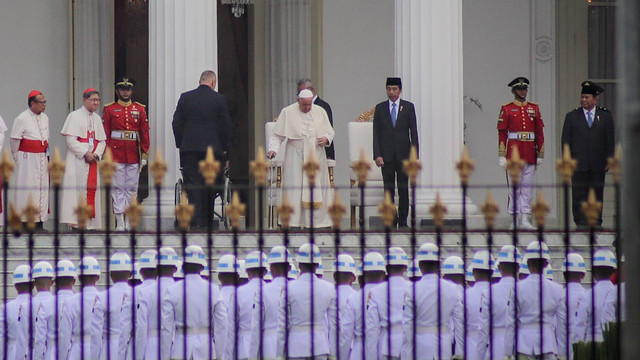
41, 102
93, 100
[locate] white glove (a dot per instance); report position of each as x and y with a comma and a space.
502, 161
143, 163
538, 161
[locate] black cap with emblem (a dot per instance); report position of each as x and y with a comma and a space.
589, 87
124, 82
519, 83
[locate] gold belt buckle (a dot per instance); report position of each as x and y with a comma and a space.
523, 136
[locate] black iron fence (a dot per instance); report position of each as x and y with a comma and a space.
396, 303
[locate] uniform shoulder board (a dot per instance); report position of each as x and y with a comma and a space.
109, 104
533, 103
507, 104
602, 108
143, 105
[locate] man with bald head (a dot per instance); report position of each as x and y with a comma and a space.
201, 120
307, 132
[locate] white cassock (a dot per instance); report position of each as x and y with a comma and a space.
3, 129
83, 132
295, 135
29, 146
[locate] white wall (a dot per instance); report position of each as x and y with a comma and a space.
358, 55
35, 55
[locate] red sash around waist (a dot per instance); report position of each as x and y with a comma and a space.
92, 178
33, 146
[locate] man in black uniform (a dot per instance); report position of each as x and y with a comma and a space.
201, 120
589, 132
307, 84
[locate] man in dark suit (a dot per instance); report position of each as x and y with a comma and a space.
589, 132
395, 131
201, 120
307, 84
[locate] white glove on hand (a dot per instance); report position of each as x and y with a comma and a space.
538, 161
143, 163
502, 161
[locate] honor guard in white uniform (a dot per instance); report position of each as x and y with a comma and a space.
202, 330
148, 263
45, 340
312, 335
573, 269
114, 307
147, 337
228, 270
483, 264
256, 264
432, 339
413, 271
553, 318
611, 302
604, 265
81, 327
17, 313
352, 342
508, 259
42, 275
280, 261
344, 274
381, 326
452, 269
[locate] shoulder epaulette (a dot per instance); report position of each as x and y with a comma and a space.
602, 108
143, 105
509, 103
533, 103
109, 104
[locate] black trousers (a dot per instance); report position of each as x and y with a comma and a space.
197, 193
581, 182
390, 172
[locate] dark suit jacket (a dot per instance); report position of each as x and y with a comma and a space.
202, 119
325, 105
589, 146
389, 141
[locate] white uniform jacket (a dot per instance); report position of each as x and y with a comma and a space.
500, 295
270, 301
583, 318
351, 344
17, 313
118, 332
81, 334
147, 335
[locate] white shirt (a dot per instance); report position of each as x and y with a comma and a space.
397, 102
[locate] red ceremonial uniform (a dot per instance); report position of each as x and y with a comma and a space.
126, 126
520, 124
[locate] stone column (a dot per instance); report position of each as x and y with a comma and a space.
183, 42
429, 60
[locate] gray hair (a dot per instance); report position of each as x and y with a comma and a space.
305, 81
207, 76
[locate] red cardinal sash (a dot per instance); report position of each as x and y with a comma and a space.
33, 146
92, 179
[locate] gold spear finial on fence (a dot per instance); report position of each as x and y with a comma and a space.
387, 210
83, 211
56, 168
437, 211
490, 210
158, 168
184, 212
14, 219
134, 212
6, 166
209, 167
30, 212
515, 165
615, 164
566, 165
591, 208
465, 166
540, 209
337, 211
362, 167
235, 210
310, 167
284, 211
260, 167
107, 167
412, 166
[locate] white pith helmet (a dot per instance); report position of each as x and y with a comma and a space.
42, 269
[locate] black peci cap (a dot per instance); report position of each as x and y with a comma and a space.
394, 81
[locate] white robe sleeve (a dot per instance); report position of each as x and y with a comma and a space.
76, 147
274, 143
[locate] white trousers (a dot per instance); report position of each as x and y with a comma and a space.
524, 192
125, 186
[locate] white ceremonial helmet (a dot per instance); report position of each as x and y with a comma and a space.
148, 259
397, 256
468, 275
66, 268
252, 260
278, 254
293, 273
242, 271
42, 270
345, 263
483, 260
605, 258
453, 265
574, 263
413, 270
538, 250
374, 261
305, 254
180, 273
548, 272
168, 257
21, 275
193, 254
428, 252
506, 254
88, 266
227, 264
120, 262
